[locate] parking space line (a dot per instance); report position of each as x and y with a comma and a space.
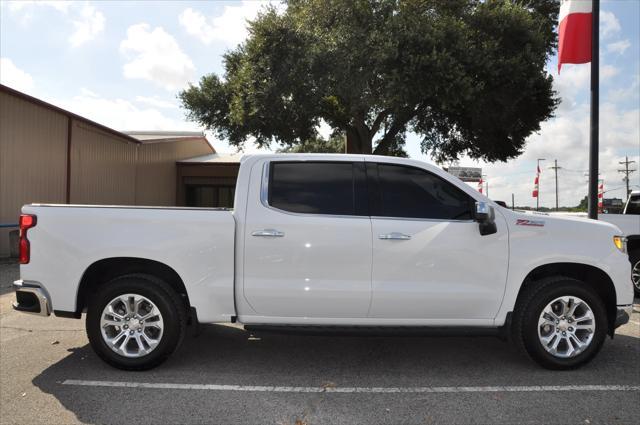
283, 389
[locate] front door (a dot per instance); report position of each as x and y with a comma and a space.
429, 259
308, 242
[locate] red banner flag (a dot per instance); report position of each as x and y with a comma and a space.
480, 185
574, 32
536, 182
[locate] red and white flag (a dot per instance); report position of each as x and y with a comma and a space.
600, 196
574, 32
536, 183
480, 185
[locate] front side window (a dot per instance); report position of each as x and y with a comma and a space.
411, 192
316, 187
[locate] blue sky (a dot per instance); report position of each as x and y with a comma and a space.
122, 63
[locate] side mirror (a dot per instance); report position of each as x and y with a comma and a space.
485, 216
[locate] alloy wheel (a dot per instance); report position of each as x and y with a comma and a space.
566, 327
131, 325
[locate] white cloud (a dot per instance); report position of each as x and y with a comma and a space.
155, 55
156, 102
609, 24
86, 20
20, 5
88, 24
230, 27
618, 47
14, 77
120, 114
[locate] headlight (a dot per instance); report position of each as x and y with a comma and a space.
621, 243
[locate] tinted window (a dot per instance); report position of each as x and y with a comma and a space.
316, 187
414, 193
634, 205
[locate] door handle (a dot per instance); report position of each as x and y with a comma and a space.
273, 233
395, 236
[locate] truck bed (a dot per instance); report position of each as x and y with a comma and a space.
198, 243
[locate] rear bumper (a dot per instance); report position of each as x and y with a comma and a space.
31, 298
623, 315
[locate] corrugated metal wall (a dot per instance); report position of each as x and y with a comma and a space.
33, 157
105, 168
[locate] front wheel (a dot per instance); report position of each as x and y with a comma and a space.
560, 322
135, 322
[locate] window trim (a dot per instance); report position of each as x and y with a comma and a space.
374, 203
264, 190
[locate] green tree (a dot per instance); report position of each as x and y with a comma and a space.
467, 76
334, 144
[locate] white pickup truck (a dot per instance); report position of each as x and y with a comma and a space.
629, 223
327, 243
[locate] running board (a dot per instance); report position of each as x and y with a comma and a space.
384, 331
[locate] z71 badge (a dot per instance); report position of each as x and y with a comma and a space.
526, 222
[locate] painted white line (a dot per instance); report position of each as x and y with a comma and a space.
253, 388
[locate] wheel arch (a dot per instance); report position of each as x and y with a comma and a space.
106, 269
592, 276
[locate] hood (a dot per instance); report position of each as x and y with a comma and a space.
578, 222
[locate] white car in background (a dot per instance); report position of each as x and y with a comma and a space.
322, 243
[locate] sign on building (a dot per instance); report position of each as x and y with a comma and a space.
466, 174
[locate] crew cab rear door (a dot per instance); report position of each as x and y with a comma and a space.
429, 259
308, 242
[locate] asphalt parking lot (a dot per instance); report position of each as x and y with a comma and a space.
48, 374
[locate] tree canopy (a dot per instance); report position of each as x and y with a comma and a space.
467, 76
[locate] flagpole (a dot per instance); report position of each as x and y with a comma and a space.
595, 110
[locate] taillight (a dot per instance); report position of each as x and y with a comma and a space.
26, 222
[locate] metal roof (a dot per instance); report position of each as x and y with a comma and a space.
215, 158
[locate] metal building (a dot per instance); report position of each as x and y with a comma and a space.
50, 155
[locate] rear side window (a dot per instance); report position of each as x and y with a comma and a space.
334, 188
410, 192
634, 205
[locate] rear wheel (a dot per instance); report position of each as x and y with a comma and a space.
135, 322
560, 322
635, 271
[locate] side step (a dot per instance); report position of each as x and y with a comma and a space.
383, 331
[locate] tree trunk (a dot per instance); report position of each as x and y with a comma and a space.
358, 141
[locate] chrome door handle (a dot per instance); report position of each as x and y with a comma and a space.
273, 233
395, 236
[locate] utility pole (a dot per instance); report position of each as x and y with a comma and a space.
556, 168
538, 174
626, 172
513, 202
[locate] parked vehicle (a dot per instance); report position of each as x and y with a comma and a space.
328, 242
629, 223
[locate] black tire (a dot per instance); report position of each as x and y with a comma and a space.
166, 300
634, 256
531, 304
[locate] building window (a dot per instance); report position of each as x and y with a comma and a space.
209, 196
